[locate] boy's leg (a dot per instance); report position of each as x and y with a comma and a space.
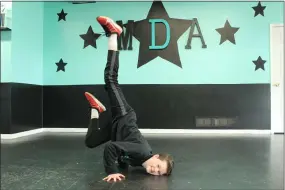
119, 105
97, 134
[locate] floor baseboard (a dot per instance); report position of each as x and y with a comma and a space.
143, 131
21, 134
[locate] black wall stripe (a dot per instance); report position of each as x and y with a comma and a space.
21, 107
157, 106
27, 107
165, 106
5, 108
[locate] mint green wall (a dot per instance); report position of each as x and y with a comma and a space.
6, 56
27, 42
218, 64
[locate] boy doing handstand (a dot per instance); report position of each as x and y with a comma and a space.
126, 145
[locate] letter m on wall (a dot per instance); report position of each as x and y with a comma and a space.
126, 35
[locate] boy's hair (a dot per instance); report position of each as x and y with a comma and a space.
169, 160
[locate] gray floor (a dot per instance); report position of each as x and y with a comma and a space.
203, 162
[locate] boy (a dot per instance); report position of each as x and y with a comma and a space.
127, 145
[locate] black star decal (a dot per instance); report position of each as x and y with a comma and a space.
259, 9
142, 32
61, 15
227, 33
259, 63
60, 65
90, 38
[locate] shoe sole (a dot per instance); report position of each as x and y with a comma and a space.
96, 100
110, 21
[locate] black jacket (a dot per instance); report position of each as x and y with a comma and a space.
129, 148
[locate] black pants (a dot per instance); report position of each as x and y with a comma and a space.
122, 113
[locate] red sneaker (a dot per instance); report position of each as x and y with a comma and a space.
109, 26
94, 103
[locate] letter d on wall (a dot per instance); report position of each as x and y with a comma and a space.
167, 40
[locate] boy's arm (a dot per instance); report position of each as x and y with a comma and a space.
113, 150
111, 154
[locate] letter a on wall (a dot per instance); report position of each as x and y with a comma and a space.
191, 34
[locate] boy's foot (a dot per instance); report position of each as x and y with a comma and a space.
109, 26
94, 102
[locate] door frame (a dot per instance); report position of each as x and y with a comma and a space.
271, 63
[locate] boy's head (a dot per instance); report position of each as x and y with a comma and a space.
159, 164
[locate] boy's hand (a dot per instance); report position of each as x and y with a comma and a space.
115, 177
